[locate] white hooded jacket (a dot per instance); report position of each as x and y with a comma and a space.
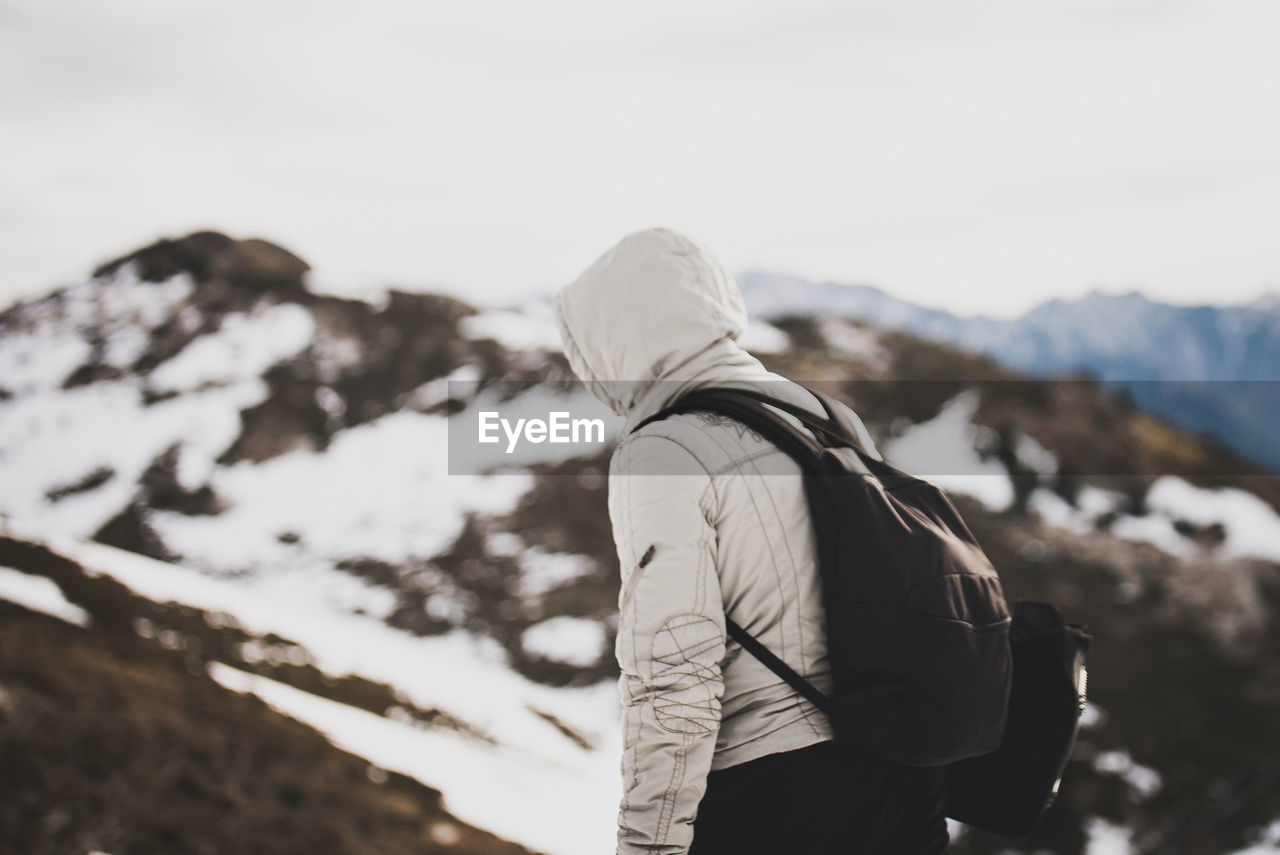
708, 518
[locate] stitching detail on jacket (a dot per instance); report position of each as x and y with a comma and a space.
706, 556
790, 606
752, 457
684, 699
794, 575
655, 435
781, 650
671, 796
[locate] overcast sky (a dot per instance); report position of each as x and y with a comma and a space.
981, 156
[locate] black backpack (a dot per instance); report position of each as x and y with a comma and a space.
917, 623
1008, 790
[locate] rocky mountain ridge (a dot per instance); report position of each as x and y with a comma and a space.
198, 403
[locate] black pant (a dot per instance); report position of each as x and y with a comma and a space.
822, 799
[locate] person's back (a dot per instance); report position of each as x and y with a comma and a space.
710, 521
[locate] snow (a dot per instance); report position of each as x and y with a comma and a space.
1253, 527
1157, 530
1144, 781
121, 310
761, 337
572, 640
541, 571
529, 328
992, 490
437, 391
853, 341
1097, 502
1092, 503
40, 359
381, 490
332, 353
349, 285
126, 302
1092, 716
943, 451
503, 543
1107, 838
448, 604
331, 402
47, 441
557, 806
244, 346
1268, 842
1058, 512
1035, 456
39, 594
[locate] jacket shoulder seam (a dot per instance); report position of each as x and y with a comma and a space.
684, 445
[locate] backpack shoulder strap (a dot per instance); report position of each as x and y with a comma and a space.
776, 665
843, 419
836, 427
748, 409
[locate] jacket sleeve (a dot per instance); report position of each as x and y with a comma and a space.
671, 640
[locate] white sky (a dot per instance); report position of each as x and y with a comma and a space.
981, 156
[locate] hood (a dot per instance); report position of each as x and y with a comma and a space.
654, 317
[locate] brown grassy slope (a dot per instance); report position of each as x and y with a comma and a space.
109, 743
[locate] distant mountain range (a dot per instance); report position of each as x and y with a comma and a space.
1213, 369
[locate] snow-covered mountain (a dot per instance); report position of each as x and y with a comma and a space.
1212, 369
222, 480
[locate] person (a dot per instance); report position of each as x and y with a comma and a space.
709, 519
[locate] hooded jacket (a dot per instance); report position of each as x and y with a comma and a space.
708, 518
